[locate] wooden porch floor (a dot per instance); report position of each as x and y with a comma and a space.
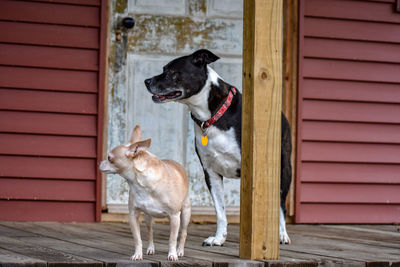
111, 244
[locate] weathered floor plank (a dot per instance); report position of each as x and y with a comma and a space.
341, 247
111, 244
9, 258
41, 253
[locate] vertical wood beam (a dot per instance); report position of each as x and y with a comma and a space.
261, 129
102, 103
290, 65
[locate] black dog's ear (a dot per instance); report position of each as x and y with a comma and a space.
203, 57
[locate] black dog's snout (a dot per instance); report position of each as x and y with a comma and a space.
147, 82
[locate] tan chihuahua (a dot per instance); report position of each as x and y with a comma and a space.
157, 187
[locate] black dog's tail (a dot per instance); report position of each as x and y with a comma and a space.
286, 166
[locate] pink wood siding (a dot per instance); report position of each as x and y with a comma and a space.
51, 81
348, 161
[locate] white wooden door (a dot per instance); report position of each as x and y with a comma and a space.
165, 30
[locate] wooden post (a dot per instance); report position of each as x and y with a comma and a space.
261, 129
290, 59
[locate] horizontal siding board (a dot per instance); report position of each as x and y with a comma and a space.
351, 70
350, 193
47, 211
350, 152
351, 50
51, 190
350, 90
349, 173
355, 213
48, 168
383, 1
47, 123
48, 79
49, 13
49, 35
351, 111
346, 10
48, 57
41, 145
85, 2
351, 132
47, 101
351, 30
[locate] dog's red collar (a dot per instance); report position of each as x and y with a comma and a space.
205, 124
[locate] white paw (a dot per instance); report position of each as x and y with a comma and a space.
214, 241
137, 257
150, 250
180, 253
172, 256
284, 237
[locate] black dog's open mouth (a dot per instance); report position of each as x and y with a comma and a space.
161, 98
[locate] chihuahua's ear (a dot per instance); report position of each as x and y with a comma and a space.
136, 135
203, 57
135, 148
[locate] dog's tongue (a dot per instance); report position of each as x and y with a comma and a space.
161, 98
158, 98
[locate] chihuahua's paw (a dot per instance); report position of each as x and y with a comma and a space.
180, 253
137, 257
214, 241
150, 250
284, 237
172, 256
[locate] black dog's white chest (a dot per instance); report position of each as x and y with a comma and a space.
222, 152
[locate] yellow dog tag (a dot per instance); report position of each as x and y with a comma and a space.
204, 140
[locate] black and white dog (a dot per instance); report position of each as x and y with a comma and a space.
216, 108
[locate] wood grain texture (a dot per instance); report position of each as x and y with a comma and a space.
110, 244
102, 105
290, 85
261, 122
9, 258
